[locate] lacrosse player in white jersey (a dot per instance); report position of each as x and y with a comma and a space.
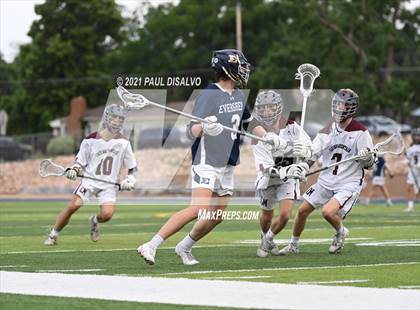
101, 155
337, 189
413, 177
277, 173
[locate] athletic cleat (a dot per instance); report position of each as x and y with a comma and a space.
338, 242
291, 248
50, 241
389, 203
186, 256
267, 246
409, 209
147, 252
94, 229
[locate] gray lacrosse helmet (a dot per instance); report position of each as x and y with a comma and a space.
114, 117
268, 106
344, 104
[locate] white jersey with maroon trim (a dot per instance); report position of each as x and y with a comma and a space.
413, 156
334, 144
103, 159
264, 158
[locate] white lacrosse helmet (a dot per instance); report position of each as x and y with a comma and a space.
114, 117
268, 106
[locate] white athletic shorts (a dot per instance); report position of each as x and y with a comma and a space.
378, 181
318, 196
411, 180
86, 192
270, 196
218, 179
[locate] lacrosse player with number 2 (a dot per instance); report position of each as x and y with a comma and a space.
337, 189
215, 152
101, 156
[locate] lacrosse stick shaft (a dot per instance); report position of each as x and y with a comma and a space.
302, 118
201, 120
100, 180
334, 164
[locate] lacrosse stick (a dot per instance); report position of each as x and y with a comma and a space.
137, 101
393, 145
47, 168
307, 73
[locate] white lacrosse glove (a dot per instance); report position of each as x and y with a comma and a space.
128, 183
298, 171
72, 172
280, 172
367, 157
277, 144
214, 128
300, 150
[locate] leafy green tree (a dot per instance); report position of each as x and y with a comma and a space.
64, 59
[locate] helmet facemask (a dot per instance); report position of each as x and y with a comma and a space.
114, 117
268, 107
344, 105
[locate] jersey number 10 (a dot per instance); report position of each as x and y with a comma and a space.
105, 166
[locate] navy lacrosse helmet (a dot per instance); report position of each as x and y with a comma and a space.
233, 64
344, 104
114, 116
268, 106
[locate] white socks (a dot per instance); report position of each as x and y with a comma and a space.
294, 240
269, 235
411, 204
341, 230
187, 243
156, 241
53, 233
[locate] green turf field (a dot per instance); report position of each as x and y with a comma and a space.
382, 249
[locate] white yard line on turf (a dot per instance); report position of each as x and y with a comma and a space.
244, 277
285, 268
239, 294
14, 266
70, 270
409, 286
317, 240
332, 282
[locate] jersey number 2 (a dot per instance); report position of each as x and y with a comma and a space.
337, 157
236, 119
105, 166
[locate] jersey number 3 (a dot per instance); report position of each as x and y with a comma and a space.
337, 157
236, 119
105, 166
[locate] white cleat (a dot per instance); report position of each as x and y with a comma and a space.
94, 229
267, 246
147, 252
409, 209
338, 242
186, 256
291, 248
50, 241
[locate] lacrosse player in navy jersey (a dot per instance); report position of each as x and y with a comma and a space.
215, 152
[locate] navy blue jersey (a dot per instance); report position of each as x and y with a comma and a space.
379, 167
231, 111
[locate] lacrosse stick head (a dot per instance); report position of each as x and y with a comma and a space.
48, 168
307, 73
131, 101
393, 145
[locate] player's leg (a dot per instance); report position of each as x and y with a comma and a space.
410, 197
105, 214
201, 228
385, 193
315, 197
63, 218
335, 212
281, 221
200, 199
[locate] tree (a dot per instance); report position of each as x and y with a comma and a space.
64, 59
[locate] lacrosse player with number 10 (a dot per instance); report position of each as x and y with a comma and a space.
101, 155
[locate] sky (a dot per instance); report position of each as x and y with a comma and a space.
16, 17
